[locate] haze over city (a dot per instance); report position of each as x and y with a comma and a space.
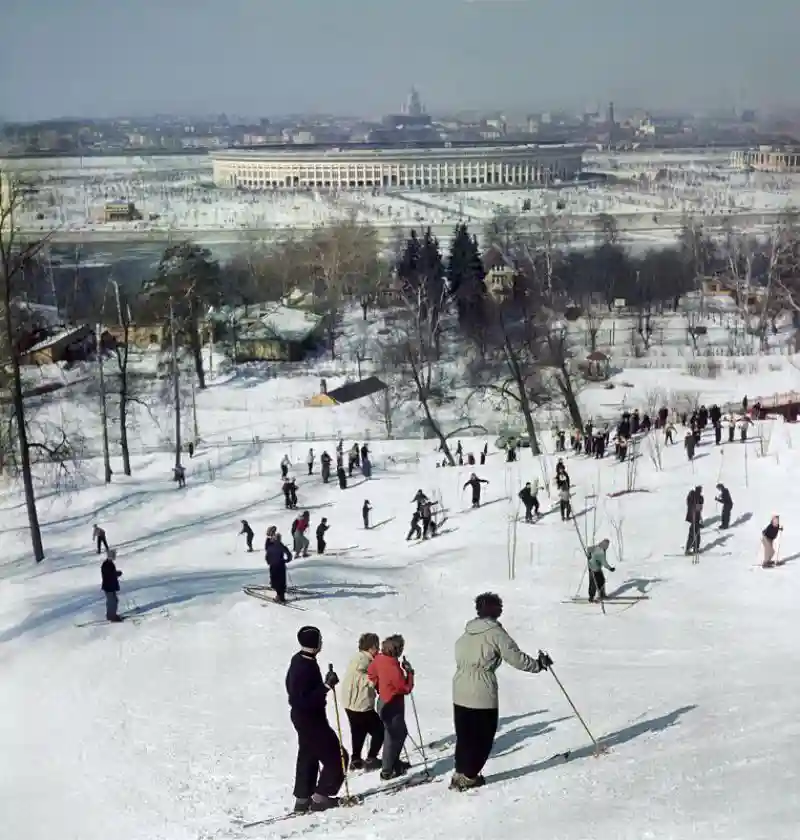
90, 58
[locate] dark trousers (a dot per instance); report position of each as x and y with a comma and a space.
102, 543
428, 527
565, 508
475, 731
476, 500
249, 538
717, 434
326, 474
693, 538
365, 517
284, 470
277, 580
393, 717
361, 725
414, 531
597, 583
726, 516
321, 545
731, 431
112, 605
317, 744
528, 511
311, 468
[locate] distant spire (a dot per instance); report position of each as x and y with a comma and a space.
413, 106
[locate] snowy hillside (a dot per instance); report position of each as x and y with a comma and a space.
174, 725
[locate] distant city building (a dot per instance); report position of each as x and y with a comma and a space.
354, 166
411, 124
768, 159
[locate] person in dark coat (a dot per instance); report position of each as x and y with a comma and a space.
248, 533
426, 515
365, 509
342, 476
317, 743
322, 529
528, 498
419, 499
110, 576
475, 483
287, 492
277, 556
99, 537
415, 531
726, 501
694, 518
325, 467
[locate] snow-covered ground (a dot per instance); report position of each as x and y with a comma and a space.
177, 194
174, 726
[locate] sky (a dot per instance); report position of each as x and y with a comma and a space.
102, 58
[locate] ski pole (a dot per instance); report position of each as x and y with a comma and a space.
597, 746
419, 735
348, 800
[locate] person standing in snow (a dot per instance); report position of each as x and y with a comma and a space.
287, 486
277, 556
415, 531
768, 537
358, 698
479, 652
110, 576
475, 483
689, 443
299, 528
317, 743
248, 533
419, 498
528, 497
392, 681
597, 560
179, 476
694, 518
285, 464
726, 501
310, 461
426, 515
322, 529
99, 537
342, 476
325, 466
366, 466
564, 502
365, 509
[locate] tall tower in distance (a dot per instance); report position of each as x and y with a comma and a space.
611, 124
413, 106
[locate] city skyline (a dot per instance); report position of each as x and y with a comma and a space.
96, 60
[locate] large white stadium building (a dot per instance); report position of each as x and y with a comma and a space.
456, 166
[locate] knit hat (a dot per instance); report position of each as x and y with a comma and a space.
309, 637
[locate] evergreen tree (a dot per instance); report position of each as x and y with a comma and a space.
465, 279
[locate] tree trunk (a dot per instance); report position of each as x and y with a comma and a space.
422, 396
570, 400
123, 429
197, 355
524, 402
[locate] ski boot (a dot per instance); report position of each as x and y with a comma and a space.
301, 805
320, 802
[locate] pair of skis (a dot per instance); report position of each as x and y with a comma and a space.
619, 599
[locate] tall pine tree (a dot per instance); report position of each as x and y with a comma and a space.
465, 279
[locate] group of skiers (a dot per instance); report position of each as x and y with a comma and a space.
376, 683
358, 457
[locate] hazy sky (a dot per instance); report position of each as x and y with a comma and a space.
251, 57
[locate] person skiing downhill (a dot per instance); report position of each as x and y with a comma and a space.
415, 531
528, 497
325, 467
768, 537
322, 529
317, 743
479, 652
596, 562
99, 537
248, 533
365, 510
392, 681
726, 501
475, 483
694, 518
277, 556
299, 528
358, 698
285, 464
426, 515
110, 576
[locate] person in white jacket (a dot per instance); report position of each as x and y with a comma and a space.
358, 697
480, 651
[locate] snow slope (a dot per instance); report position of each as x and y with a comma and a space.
176, 726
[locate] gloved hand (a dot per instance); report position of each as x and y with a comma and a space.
544, 660
331, 678
407, 666
612, 568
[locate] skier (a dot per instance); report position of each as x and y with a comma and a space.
669, 433
479, 652
322, 528
110, 576
475, 483
190, 449
248, 533
316, 741
426, 515
419, 498
358, 697
415, 530
564, 502
325, 466
562, 477
596, 562
179, 476
287, 487
277, 556
694, 517
352, 459
366, 466
726, 501
285, 464
717, 432
99, 537
731, 423
743, 424
528, 498
364, 451
689, 442
769, 535
365, 509
310, 461
342, 476
299, 527
392, 681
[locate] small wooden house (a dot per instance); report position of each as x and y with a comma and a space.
348, 393
64, 346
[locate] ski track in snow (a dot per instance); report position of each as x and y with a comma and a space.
176, 727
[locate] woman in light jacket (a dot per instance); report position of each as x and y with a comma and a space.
479, 653
358, 696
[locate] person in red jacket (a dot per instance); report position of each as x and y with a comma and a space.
393, 681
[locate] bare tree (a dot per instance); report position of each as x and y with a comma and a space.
15, 255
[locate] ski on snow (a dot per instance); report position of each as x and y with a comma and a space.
263, 595
621, 599
389, 789
133, 618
